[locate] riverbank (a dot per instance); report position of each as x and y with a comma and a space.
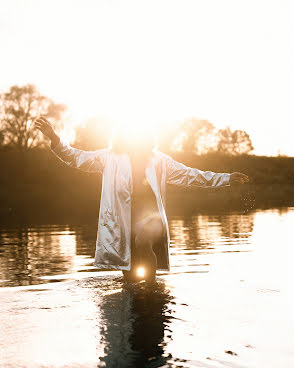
36, 185
68, 206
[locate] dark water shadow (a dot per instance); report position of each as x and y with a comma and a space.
133, 324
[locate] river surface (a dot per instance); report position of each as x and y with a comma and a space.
227, 302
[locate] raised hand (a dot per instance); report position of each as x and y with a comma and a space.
238, 178
47, 129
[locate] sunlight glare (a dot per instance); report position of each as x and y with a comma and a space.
141, 271
68, 134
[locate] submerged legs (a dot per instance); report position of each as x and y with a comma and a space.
148, 258
148, 233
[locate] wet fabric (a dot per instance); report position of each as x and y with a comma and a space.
144, 209
113, 245
148, 225
143, 200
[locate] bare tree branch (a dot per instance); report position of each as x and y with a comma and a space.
19, 107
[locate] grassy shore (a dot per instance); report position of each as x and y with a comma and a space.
36, 185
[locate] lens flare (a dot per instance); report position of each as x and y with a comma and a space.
141, 271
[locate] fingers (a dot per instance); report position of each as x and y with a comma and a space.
240, 178
42, 124
40, 127
41, 121
38, 124
244, 178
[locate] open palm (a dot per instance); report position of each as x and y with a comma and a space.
45, 127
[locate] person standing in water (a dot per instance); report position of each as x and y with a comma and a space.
132, 226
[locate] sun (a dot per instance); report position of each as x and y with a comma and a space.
132, 126
141, 271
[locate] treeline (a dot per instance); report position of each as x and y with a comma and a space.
37, 186
190, 136
20, 106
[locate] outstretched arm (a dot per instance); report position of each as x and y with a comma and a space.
79, 159
179, 174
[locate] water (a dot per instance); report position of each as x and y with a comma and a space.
227, 302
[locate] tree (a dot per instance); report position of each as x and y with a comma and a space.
19, 107
1, 138
197, 136
94, 134
234, 142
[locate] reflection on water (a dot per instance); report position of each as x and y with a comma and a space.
29, 253
32, 255
227, 301
134, 326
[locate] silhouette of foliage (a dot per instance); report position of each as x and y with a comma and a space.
234, 142
20, 106
195, 135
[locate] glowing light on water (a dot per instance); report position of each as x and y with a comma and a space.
141, 271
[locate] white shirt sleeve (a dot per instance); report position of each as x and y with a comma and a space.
179, 174
90, 161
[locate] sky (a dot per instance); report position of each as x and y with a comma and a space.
156, 62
